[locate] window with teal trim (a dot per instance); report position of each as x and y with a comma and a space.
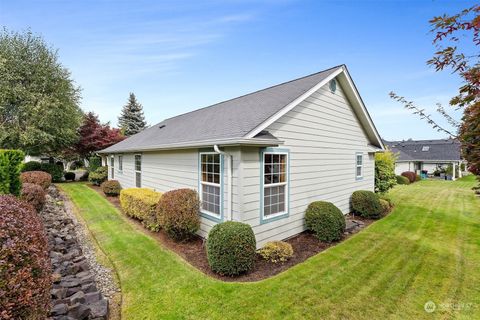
275, 184
210, 183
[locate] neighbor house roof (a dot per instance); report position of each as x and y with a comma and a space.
240, 120
425, 150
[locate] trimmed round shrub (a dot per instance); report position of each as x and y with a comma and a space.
402, 180
41, 178
55, 170
366, 204
98, 176
69, 176
111, 188
32, 166
385, 206
410, 175
231, 248
33, 194
141, 203
25, 272
177, 213
325, 220
276, 251
388, 199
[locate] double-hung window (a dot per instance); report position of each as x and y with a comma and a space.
359, 166
112, 167
120, 163
275, 184
210, 184
138, 170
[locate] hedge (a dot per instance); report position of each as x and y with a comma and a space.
231, 248
98, 176
177, 213
325, 220
25, 271
55, 170
402, 180
410, 175
41, 178
366, 204
141, 203
32, 166
10, 166
33, 194
111, 188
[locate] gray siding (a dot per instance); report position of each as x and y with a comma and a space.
323, 136
168, 170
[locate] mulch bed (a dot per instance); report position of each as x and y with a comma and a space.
305, 245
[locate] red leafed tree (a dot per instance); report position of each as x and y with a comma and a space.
456, 39
95, 136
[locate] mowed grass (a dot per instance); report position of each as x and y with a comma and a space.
428, 249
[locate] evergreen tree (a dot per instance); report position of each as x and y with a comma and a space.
132, 120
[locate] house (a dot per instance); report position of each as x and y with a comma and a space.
426, 155
263, 157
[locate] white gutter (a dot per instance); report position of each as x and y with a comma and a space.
229, 179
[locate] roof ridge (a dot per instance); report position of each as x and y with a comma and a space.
250, 93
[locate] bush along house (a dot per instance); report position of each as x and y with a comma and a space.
261, 158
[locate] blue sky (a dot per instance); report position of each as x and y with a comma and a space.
177, 56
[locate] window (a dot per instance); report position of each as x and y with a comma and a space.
120, 163
425, 148
210, 183
112, 167
275, 184
359, 165
138, 170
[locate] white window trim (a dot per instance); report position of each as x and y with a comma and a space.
120, 167
286, 184
112, 166
137, 171
358, 165
219, 185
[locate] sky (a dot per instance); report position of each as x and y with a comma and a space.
178, 56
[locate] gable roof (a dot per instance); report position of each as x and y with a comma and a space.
424, 150
240, 120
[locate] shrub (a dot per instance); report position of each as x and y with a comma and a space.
94, 163
231, 248
33, 194
25, 274
402, 180
366, 204
141, 203
410, 175
388, 199
111, 188
69, 176
84, 176
384, 171
98, 176
10, 166
177, 213
32, 166
325, 220
41, 178
276, 251
385, 206
55, 170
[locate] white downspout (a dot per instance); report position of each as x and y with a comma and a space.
229, 181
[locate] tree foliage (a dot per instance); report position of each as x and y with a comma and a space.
95, 136
456, 39
39, 111
132, 119
384, 171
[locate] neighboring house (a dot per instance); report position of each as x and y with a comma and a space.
261, 158
426, 155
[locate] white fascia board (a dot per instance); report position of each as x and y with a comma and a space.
198, 144
292, 105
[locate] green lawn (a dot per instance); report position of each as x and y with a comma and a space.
427, 249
